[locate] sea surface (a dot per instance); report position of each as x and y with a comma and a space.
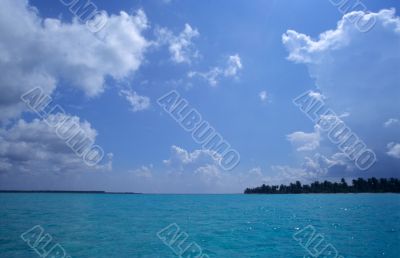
122, 225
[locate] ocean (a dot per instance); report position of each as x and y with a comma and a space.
125, 225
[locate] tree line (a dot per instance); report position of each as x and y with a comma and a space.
360, 185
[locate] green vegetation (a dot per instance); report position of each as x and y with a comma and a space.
360, 185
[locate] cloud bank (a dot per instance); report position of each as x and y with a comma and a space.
357, 73
42, 52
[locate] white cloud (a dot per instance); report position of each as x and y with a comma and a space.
195, 172
312, 168
35, 148
36, 51
233, 66
392, 122
305, 141
230, 70
210, 76
137, 102
316, 95
340, 159
144, 172
351, 68
357, 73
263, 95
302, 48
393, 150
291, 174
255, 172
208, 173
180, 156
180, 47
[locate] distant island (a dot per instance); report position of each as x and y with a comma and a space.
63, 191
360, 185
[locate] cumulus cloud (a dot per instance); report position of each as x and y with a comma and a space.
352, 68
36, 51
181, 47
305, 141
233, 66
391, 122
180, 156
208, 173
197, 172
194, 171
393, 150
137, 102
263, 95
356, 72
144, 172
316, 167
230, 70
316, 95
35, 148
291, 174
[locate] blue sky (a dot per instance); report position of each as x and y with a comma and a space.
153, 47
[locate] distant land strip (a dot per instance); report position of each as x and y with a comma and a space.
63, 191
360, 185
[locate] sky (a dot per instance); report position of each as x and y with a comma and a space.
238, 65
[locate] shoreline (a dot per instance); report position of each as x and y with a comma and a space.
133, 193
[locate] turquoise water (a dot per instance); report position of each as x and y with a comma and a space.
106, 225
